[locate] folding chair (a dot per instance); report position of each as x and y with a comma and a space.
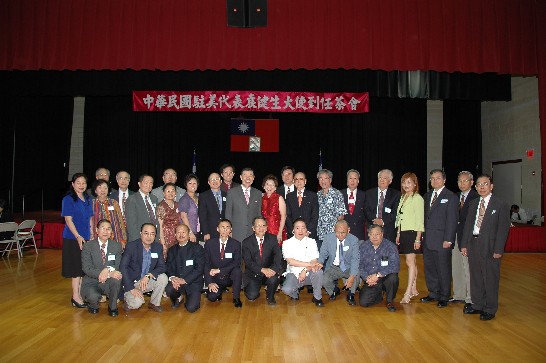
10, 227
26, 233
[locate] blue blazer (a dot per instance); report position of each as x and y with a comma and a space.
213, 260
351, 256
131, 263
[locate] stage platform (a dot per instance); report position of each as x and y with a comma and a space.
522, 238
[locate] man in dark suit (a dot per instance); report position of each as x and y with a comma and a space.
485, 234
386, 197
302, 203
441, 216
354, 203
287, 176
185, 266
223, 264
212, 207
262, 256
341, 258
140, 208
243, 203
143, 269
100, 263
459, 263
120, 195
227, 171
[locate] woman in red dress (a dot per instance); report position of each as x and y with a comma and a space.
168, 217
274, 209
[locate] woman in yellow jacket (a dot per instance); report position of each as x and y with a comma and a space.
410, 225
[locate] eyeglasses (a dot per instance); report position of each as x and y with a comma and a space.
214, 179
483, 184
463, 181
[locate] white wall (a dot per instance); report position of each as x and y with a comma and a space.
511, 128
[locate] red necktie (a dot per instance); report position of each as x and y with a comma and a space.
351, 203
103, 253
261, 247
222, 250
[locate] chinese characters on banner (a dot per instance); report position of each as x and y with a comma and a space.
209, 101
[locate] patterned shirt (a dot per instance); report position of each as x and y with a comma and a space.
385, 259
331, 206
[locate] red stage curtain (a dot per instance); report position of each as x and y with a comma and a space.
450, 35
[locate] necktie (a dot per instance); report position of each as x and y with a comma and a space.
261, 247
103, 253
299, 198
481, 213
247, 196
519, 217
287, 191
341, 261
462, 202
351, 203
222, 250
123, 199
219, 202
380, 206
150, 210
433, 198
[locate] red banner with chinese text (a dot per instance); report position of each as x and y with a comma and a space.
255, 101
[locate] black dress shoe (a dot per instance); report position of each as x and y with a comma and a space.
318, 302
442, 303
333, 296
175, 303
113, 312
271, 301
470, 310
486, 316
237, 303
427, 299
149, 293
77, 304
391, 307
467, 306
309, 290
92, 310
351, 299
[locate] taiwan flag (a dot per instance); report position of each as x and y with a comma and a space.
254, 135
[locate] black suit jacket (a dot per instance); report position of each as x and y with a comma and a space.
131, 263
356, 220
271, 255
213, 260
114, 194
309, 211
493, 231
441, 219
463, 212
187, 262
209, 215
390, 206
280, 190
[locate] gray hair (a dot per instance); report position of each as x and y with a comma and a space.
468, 173
325, 171
388, 171
353, 171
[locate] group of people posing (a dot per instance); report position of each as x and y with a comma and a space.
174, 242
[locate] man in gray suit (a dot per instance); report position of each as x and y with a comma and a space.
340, 256
243, 204
169, 176
485, 234
100, 263
140, 208
441, 216
120, 195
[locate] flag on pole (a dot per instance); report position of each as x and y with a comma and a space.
320, 160
194, 166
249, 135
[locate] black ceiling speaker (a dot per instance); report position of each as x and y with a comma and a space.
246, 13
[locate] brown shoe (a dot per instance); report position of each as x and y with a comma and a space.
155, 308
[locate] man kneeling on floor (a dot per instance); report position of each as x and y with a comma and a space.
143, 269
379, 267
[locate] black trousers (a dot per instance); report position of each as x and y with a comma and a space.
371, 295
253, 284
438, 272
192, 292
235, 279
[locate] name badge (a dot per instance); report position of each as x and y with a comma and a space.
189, 262
110, 207
345, 248
223, 199
387, 210
154, 255
228, 255
443, 201
384, 263
111, 257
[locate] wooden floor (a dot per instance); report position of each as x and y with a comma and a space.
38, 324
